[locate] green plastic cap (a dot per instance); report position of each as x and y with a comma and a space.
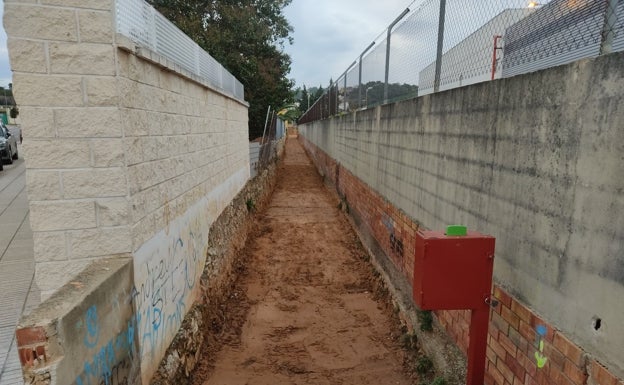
456, 230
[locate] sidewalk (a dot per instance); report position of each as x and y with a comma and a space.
16, 267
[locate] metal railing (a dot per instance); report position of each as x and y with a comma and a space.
141, 23
265, 149
436, 45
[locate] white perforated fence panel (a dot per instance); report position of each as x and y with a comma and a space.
141, 23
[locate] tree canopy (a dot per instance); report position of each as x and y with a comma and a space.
247, 37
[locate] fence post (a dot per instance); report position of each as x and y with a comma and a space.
438, 66
608, 30
402, 15
346, 73
360, 78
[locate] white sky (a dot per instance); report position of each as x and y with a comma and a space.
5, 68
330, 34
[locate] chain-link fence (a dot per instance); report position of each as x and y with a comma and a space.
436, 45
264, 150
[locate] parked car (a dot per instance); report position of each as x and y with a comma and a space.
16, 131
8, 145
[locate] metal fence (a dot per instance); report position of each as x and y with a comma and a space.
140, 22
263, 151
435, 45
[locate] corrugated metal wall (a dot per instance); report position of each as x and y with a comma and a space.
254, 155
618, 42
561, 32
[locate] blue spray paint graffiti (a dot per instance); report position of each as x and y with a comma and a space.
105, 364
163, 296
93, 333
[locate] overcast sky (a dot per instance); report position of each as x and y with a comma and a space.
330, 34
5, 68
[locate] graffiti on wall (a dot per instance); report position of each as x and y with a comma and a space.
162, 299
167, 269
168, 275
396, 244
109, 363
539, 345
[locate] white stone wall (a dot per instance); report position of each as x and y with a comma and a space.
118, 142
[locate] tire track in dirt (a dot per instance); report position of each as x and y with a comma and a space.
311, 316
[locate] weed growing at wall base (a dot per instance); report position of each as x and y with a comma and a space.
425, 318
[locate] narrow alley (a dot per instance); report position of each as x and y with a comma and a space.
312, 316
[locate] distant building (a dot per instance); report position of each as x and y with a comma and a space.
470, 61
559, 33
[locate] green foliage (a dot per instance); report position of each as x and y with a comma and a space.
305, 95
247, 37
14, 112
289, 113
438, 381
409, 341
424, 365
425, 318
375, 94
250, 204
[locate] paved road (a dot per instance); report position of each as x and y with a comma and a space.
16, 267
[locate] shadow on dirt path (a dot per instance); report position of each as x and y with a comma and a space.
308, 311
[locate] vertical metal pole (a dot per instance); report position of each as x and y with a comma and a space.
477, 345
344, 96
496, 37
405, 12
345, 88
360, 78
266, 121
608, 30
438, 67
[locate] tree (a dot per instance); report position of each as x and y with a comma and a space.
304, 100
14, 112
289, 113
247, 37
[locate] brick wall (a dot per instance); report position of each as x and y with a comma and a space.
513, 339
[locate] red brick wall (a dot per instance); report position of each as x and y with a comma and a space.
513, 340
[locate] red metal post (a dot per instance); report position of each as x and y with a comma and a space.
477, 345
453, 270
496, 47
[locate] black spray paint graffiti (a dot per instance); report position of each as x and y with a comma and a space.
396, 244
161, 301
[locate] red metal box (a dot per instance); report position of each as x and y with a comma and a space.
452, 272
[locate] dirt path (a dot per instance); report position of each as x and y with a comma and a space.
310, 315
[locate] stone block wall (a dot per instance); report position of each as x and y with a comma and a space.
127, 155
534, 166
118, 141
65, 76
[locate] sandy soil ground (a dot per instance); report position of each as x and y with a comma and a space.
305, 309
